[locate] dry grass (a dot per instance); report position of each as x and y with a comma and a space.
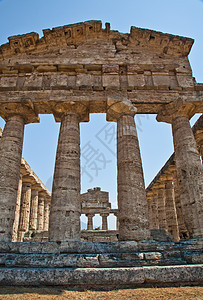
54, 293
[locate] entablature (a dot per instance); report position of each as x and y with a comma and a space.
73, 35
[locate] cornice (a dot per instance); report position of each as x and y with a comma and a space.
75, 34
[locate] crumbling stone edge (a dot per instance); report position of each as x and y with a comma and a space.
105, 278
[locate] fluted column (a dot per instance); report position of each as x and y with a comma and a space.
188, 164
149, 204
24, 209
181, 225
117, 221
162, 206
65, 205
104, 221
40, 216
17, 212
34, 209
132, 202
10, 161
90, 221
199, 141
154, 207
46, 215
171, 216
190, 176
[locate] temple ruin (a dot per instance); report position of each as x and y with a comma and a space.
71, 72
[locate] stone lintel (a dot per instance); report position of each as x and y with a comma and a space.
25, 109
145, 100
72, 107
26, 170
96, 211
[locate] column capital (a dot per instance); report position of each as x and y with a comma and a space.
27, 180
104, 214
24, 109
178, 108
149, 194
90, 215
160, 184
62, 109
166, 178
116, 109
199, 136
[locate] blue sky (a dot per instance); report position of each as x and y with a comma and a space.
179, 17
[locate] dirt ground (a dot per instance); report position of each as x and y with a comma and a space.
54, 293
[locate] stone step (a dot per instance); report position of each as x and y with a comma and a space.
98, 248
103, 278
34, 260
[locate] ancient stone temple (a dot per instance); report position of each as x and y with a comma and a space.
71, 72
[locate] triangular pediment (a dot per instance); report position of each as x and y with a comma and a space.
71, 37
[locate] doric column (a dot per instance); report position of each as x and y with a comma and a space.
162, 206
10, 161
149, 204
117, 221
65, 207
104, 221
16, 116
17, 212
188, 165
199, 141
181, 225
171, 216
90, 221
34, 208
154, 207
24, 209
132, 202
46, 214
40, 216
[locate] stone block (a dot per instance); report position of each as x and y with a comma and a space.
33, 81
102, 278
152, 255
160, 79
59, 80
136, 80
113, 69
110, 80
8, 81
185, 80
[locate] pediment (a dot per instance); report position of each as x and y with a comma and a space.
69, 38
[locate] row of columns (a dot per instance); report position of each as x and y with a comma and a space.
104, 216
164, 200
132, 203
32, 209
164, 209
